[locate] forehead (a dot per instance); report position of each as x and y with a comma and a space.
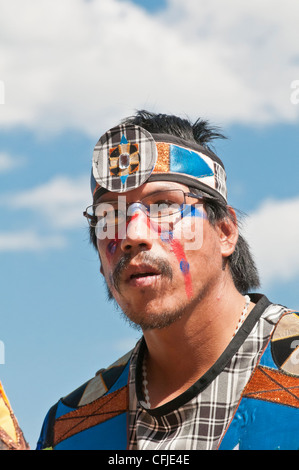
142, 191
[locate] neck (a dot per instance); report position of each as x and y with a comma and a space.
181, 353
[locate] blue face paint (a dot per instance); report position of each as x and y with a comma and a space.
166, 236
111, 248
184, 266
192, 211
187, 210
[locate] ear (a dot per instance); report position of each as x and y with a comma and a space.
228, 233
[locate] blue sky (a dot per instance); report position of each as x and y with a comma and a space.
68, 73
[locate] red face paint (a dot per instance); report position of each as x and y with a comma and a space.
184, 265
134, 216
112, 245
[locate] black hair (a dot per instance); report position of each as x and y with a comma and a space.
200, 132
241, 263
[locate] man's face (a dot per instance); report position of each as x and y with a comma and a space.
159, 269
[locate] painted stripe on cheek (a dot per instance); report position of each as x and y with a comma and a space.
184, 265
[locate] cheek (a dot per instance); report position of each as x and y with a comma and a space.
111, 249
190, 228
179, 252
177, 249
187, 236
106, 252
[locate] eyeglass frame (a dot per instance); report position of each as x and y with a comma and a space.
90, 217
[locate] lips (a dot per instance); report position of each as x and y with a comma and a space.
141, 275
145, 271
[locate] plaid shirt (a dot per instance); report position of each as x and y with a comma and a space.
197, 419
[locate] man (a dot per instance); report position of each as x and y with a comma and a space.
215, 368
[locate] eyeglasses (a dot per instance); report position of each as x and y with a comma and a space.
160, 207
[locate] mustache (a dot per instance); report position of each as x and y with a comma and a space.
160, 264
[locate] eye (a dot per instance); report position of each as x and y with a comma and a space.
109, 214
166, 198
164, 209
164, 202
117, 217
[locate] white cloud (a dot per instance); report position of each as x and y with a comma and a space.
84, 65
60, 202
8, 163
273, 234
29, 240
59, 205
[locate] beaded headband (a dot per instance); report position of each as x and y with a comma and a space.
127, 156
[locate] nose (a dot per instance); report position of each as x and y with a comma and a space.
138, 234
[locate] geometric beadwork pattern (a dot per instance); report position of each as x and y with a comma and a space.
285, 344
273, 386
94, 390
94, 413
123, 158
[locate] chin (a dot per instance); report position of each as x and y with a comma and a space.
154, 317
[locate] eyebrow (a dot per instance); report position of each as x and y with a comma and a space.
166, 187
